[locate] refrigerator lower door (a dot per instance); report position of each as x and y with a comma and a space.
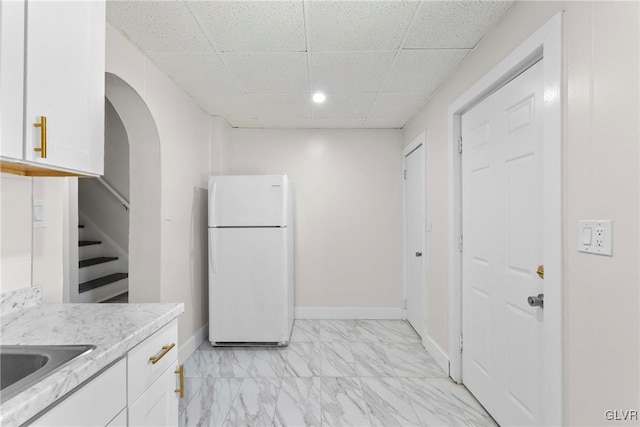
249, 299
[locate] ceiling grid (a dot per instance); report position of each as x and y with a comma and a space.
257, 63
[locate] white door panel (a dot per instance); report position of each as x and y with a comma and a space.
248, 200
502, 227
248, 284
415, 235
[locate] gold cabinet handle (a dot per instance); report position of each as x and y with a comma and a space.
165, 350
540, 271
43, 136
180, 372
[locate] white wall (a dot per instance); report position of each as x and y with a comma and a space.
96, 201
184, 133
601, 181
348, 188
15, 232
32, 256
116, 151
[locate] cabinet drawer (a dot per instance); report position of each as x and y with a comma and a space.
157, 406
142, 372
93, 404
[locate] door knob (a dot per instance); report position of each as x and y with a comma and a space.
418, 253
536, 301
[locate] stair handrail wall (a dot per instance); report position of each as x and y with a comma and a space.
113, 192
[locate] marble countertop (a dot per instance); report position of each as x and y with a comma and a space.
113, 328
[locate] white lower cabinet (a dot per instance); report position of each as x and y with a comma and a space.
141, 389
158, 405
94, 404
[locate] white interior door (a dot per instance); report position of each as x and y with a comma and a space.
415, 238
503, 228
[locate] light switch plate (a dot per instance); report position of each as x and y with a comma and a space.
39, 214
595, 237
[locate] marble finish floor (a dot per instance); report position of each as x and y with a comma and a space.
333, 373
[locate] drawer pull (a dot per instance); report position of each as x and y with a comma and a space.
165, 350
180, 372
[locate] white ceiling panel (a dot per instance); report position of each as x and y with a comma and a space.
159, 26
337, 123
385, 123
281, 106
346, 106
453, 24
350, 72
358, 25
269, 72
257, 63
197, 72
253, 26
398, 104
422, 70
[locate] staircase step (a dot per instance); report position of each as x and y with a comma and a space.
101, 281
98, 260
89, 242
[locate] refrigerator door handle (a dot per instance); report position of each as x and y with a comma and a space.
212, 253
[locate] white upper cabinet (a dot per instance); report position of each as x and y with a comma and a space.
64, 57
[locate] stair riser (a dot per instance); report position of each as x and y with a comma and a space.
91, 251
98, 270
105, 292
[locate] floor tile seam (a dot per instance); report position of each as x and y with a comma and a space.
408, 399
275, 407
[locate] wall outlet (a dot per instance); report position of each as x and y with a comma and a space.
595, 237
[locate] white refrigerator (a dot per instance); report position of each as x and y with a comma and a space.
251, 259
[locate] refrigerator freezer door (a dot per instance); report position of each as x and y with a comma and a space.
249, 299
248, 201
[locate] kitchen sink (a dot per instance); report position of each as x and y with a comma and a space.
22, 366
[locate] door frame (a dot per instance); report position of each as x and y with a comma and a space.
420, 140
545, 43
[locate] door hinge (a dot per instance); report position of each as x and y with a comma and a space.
405, 303
460, 243
460, 343
404, 174
460, 145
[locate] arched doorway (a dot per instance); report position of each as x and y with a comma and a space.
144, 190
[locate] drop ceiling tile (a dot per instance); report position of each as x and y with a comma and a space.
358, 25
197, 72
158, 26
385, 123
398, 104
269, 72
253, 26
351, 106
281, 106
422, 70
453, 24
350, 72
338, 123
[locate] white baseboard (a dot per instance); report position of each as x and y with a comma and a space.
349, 313
193, 343
437, 353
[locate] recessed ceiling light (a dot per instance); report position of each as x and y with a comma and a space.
319, 97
